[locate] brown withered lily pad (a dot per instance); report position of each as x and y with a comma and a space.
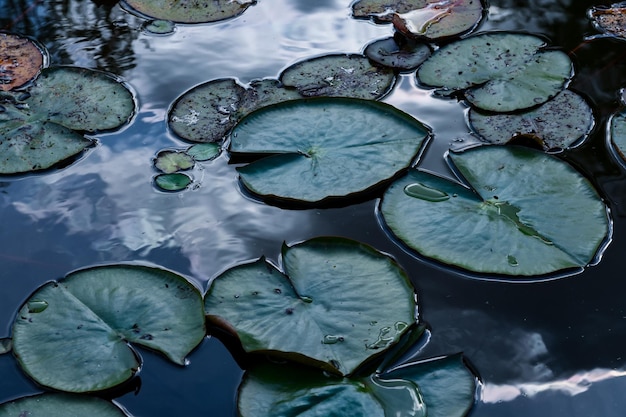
609, 20
20, 61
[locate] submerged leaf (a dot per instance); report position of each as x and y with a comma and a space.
200, 11
398, 52
609, 20
173, 161
500, 71
20, 60
526, 213
558, 124
339, 303
326, 147
339, 75
60, 405
73, 335
172, 182
6, 345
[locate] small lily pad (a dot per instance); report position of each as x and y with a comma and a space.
21, 59
339, 75
316, 149
617, 133
398, 52
610, 20
204, 151
338, 304
173, 161
172, 182
5, 345
519, 212
562, 122
200, 11
442, 387
73, 335
159, 27
60, 405
500, 72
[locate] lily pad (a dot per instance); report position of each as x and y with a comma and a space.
338, 303
519, 212
562, 122
172, 182
398, 52
617, 133
208, 112
325, 148
339, 75
5, 345
21, 59
610, 20
73, 335
60, 405
200, 11
204, 151
441, 387
173, 161
500, 71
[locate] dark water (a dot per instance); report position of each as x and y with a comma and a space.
552, 348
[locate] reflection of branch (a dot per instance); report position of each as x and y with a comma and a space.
22, 15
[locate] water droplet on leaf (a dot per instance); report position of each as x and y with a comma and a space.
423, 192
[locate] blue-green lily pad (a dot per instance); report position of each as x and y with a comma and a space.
338, 304
204, 151
499, 71
169, 161
73, 335
339, 75
442, 387
519, 212
561, 123
172, 182
315, 149
398, 52
199, 11
60, 405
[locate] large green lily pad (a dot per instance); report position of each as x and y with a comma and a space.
500, 71
339, 75
60, 405
44, 126
315, 149
562, 122
442, 387
519, 212
336, 304
73, 335
199, 11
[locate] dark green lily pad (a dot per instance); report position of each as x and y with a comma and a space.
73, 335
204, 151
5, 345
441, 387
610, 20
21, 59
339, 75
499, 72
562, 122
338, 304
520, 212
326, 147
60, 405
199, 11
208, 112
173, 161
398, 52
172, 182
617, 133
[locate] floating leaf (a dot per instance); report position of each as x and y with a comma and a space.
159, 27
73, 335
207, 112
173, 161
398, 52
204, 151
5, 345
339, 75
617, 133
339, 303
60, 405
172, 182
525, 213
20, 60
325, 147
199, 11
609, 20
500, 71
441, 387
560, 123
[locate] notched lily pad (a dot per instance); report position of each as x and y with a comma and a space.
561, 123
73, 335
208, 112
519, 212
398, 52
499, 72
610, 20
21, 59
336, 304
172, 182
318, 149
339, 75
199, 11
60, 405
169, 162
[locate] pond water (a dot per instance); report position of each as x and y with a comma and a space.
543, 349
